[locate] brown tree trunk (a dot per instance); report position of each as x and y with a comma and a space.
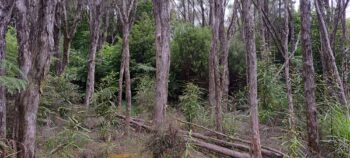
69, 30
6, 8
215, 91
34, 60
286, 68
201, 3
95, 7
308, 75
249, 31
125, 10
161, 12
330, 59
343, 40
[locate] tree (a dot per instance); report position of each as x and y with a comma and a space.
35, 49
126, 11
249, 37
215, 91
6, 8
286, 68
308, 76
71, 17
161, 12
332, 70
95, 9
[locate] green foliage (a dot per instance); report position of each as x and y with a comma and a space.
336, 126
145, 94
271, 92
10, 80
65, 142
190, 49
190, 101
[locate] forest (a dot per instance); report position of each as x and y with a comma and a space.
174, 78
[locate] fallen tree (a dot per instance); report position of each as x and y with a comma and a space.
237, 150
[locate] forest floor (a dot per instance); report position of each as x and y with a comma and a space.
96, 141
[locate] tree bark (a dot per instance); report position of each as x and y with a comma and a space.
215, 91
249, 31
330, 59
95, 7
161, 12
286, 68
201, 3
6, 8
125, 12
69, 30
308, 76
344, 62
35, 19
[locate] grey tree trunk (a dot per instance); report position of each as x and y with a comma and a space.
215, 90
249, 31
161, 12
201, 3
125, 11
69, 30
95, 8
344, 62
308, 76
6, 7
286, 68
35, 19
330, 59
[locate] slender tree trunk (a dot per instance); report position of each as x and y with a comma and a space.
68, 34
308, 75
249, 31
330, 59
286, 68
120, 83
95, 19
161, 12
202, 12
127, 71
344, 39
215, 91
34, 60
262, 31
6, 8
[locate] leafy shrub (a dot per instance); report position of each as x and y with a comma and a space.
336, 126
190, 101
146, 93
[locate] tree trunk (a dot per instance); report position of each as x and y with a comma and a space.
308, 75
161, 12
6, 8
343, 40
95, 19
249, 31
34, 60
286, 68
202, 12
127, 72
330, 59
215, 90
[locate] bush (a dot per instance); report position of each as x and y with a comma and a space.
336, 126
146, 93
168, 143
190, 101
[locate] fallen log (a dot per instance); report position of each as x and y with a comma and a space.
215, 145
242, 147
267, 150
219, 149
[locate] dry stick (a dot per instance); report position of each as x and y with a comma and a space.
290, 57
